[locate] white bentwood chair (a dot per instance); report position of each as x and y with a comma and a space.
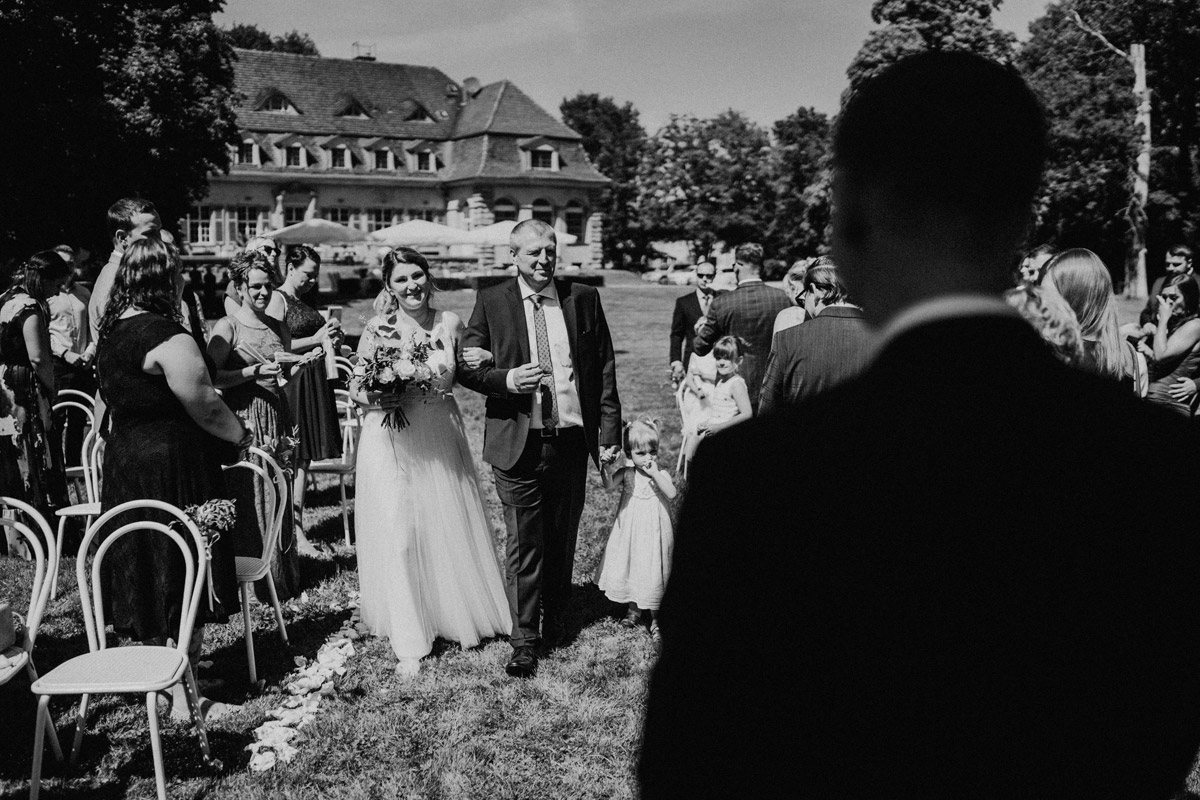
45, 561
351, 425
250, 568
90, 507
143, 669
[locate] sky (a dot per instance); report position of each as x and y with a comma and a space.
765, 58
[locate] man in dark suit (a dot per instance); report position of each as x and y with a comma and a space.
1178, 262
688, 310
945, 588
749, 312
552, 402
813, 357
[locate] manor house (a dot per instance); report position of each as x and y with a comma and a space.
370, 144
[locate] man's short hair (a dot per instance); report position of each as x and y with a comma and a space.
122, 212
1181, 250
750, 254
529, 226
826, 278
950, 128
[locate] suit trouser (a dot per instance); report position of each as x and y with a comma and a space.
543, 500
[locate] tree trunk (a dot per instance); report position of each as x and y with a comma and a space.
1135, 270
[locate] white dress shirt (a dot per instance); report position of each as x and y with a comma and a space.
69, 330
567, 395
705, 301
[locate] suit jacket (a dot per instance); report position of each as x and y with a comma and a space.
498, 324
683, 326
948, 587
814, 356
748, 311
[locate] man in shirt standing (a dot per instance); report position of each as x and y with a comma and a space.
552, 402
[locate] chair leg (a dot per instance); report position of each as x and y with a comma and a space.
249, 632
39, 737
160, 778
80, 727
345, 513
193, 698
51, 733
58, 540
278, 610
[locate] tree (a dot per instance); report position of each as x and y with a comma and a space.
252, 37
614, 140
1089, 97
914, 26
113, 99
801, 155
707, 181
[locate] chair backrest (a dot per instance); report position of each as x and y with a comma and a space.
351, 424
275, 487
86, 408
345, 368
39, 595
194, 562
75, 394
90, 460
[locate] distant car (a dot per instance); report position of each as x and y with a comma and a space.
677, 275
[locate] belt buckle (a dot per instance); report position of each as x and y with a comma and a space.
549, 433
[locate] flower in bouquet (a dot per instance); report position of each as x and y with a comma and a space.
212, 517
283, 450
396, 370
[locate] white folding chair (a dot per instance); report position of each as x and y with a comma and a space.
345, 368
76, 395
351, 426
143, 669
90, 508
45, 560
251, 569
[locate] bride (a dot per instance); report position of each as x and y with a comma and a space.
426, 562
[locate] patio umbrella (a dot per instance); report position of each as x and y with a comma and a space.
498, 233
421, 233
317, 231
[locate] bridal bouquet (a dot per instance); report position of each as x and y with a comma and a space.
394, 371
213, 518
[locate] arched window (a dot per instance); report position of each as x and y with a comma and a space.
542, 210
504, 210
575, 217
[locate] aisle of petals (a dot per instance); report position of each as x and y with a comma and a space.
306, 686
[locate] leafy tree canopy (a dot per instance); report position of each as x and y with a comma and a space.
114, 99
252, 37
801, 166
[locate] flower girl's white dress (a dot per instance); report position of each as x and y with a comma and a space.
426, 562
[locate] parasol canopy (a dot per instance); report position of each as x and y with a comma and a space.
421, 233
317, 231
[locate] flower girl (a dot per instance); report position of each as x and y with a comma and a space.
637, 557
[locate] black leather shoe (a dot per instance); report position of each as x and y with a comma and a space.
523, 663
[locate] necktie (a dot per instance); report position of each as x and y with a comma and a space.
546, 390
705, 299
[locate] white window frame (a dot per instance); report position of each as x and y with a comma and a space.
544, 150
301, 151
347, 161
432, 163
254, 161
387, 160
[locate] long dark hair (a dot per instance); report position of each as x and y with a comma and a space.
1190, 293
296, 256
145, 280
36, 275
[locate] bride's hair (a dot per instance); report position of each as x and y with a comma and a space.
642, 432
385, 302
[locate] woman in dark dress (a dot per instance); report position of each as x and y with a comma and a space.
31, 466
310, 392
168, 432
1172, 344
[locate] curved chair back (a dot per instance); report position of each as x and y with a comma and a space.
195, 566
345, 368
280, 482
86, 408
91, 466
75, 394
39, 595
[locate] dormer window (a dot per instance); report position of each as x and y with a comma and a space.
278, 104
338, 158
541, 159
425, 162
295, 156
383, 159
354, 110
539, 153
247, 153
413, 112
424, 157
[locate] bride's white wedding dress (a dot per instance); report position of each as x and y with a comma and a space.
426, 562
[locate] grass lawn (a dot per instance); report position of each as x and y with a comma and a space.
460, 729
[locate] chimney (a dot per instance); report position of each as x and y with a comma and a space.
364, 52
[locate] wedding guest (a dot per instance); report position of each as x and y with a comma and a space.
26, 355
72, 349
911, 583
793, 286
1051, 317
249, 350
832, 347
129, 219
1033, 265
637, 558
1080, 278
748, 312
169, 434
729, 399
1172, 348
269, 248
310, 392
689, 308
1179, 261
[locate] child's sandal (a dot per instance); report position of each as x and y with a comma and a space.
632, 619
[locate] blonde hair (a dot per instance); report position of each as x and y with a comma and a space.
1082, 280
1051, 317
642, 432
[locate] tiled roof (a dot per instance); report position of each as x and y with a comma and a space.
500, 157
320, 88
503, 108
